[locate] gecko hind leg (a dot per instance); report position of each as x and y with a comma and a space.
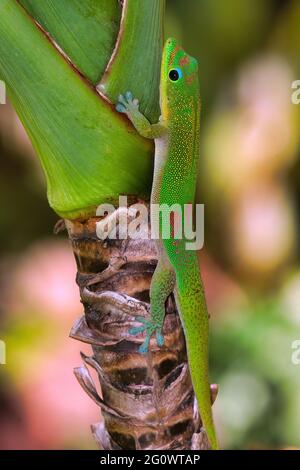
162, 285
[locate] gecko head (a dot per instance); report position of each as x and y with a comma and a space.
179, 74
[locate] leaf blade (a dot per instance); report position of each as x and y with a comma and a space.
86, 31
135, 64
89, 153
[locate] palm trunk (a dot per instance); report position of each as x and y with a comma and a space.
147, 401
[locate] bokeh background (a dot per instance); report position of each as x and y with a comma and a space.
248, 51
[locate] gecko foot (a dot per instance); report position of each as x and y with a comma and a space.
127, 104
149, 327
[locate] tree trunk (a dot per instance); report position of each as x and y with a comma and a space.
147, 401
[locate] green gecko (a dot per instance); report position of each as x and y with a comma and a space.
175, 172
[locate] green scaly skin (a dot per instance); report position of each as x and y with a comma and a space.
175, 173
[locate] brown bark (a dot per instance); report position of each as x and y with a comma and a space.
147, 401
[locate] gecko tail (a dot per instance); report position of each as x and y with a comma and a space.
192, 308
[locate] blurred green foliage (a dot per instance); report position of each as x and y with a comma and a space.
252, 358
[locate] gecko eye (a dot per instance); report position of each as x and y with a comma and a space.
175, 75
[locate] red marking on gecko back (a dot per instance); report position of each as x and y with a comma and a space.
184, 61
175, 220
191, 78
172, 223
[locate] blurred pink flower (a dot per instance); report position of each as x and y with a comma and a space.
57, 411
222, 292
263, 229
256, 135
45, 281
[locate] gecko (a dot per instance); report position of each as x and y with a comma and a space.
177, 151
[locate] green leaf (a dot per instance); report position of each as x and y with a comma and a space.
89, 152
85, 30
135, 64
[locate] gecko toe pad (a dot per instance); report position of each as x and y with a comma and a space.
127, 103
150, 328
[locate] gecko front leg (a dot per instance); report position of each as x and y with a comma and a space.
130, 106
